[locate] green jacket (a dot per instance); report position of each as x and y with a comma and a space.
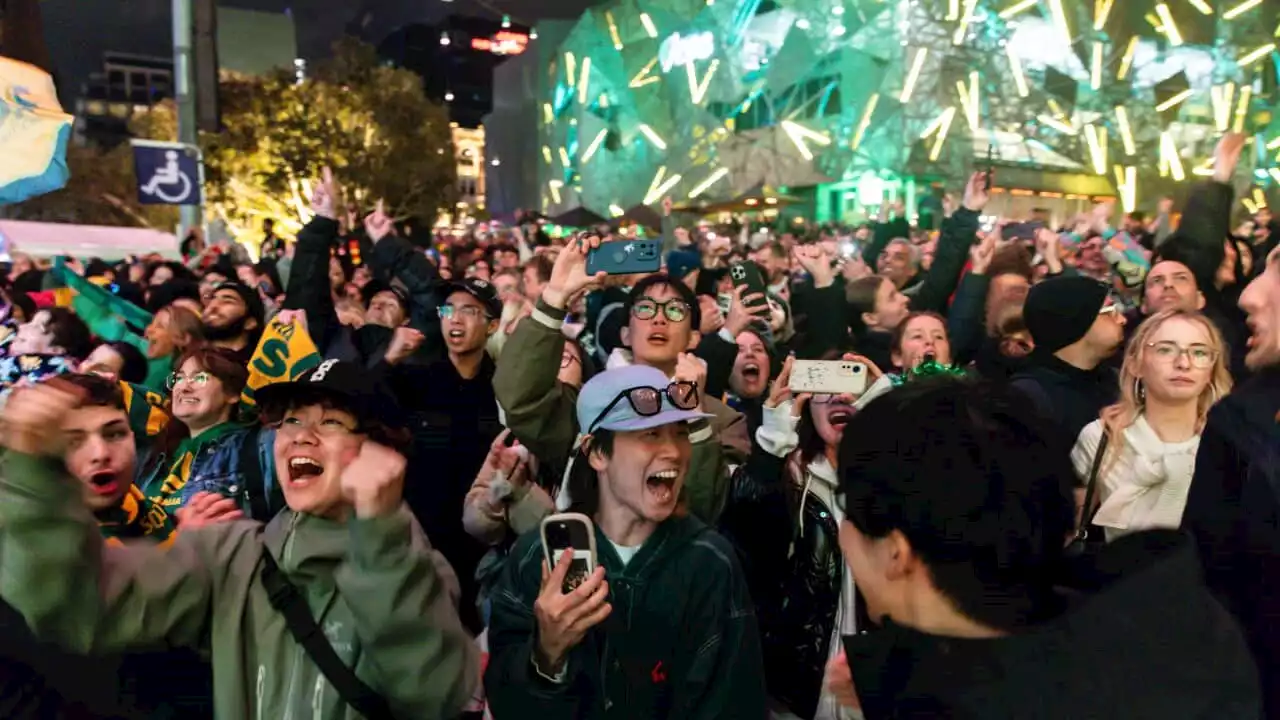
681, 642
374, 586
542, 412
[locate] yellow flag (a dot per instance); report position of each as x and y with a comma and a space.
285, 352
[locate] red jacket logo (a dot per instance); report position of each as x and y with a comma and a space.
658, 674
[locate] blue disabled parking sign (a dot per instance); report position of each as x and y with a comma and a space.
168, 173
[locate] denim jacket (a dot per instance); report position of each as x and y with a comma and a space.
239, 463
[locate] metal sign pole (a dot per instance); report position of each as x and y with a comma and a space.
185, 99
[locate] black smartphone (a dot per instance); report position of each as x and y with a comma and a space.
625, 257
570, 533
1021, 231
747, 275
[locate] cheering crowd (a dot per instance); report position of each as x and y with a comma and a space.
312, 486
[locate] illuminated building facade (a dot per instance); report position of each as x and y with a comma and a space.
842, 100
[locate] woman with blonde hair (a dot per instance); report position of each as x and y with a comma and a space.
1175, 369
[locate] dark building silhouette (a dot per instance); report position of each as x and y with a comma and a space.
456, 58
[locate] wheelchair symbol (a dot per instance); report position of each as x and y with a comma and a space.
170, 176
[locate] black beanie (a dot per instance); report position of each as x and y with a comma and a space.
252, 301
1060, 311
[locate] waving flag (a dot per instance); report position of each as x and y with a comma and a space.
33, 133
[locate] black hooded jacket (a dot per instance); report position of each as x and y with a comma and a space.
1147, 640
1064, 394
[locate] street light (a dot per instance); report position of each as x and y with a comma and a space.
448, 97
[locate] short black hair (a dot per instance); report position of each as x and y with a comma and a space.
678, 287
980, 488
134, 369
584, 483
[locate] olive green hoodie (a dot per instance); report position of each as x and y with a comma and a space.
373, 585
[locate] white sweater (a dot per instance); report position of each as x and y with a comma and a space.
1145, 486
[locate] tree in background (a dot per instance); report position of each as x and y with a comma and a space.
373, 125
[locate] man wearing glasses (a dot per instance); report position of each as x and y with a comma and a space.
453, 416
661, 333
664, 623
1076, 327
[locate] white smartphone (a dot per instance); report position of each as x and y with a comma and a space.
829, 377
570, 533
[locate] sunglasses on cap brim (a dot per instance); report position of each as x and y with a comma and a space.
647, 401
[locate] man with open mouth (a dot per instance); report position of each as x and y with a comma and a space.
345, 558
682, 641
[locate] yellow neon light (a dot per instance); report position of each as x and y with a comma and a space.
1129, 189
570, 69
647, 22
1101, 10
1119, 171
613, 30
657, 141
1016, 8
643, 77
799, 133
1016, 66
1169, 151
698, 90
913, 74
1274, 144
1126, 62
1241, 9
705, 185
585, 81
953, 10
1256, 55
865, 122
1248, 205
548, 114
1095, 71
1171, 102
594, 146
616, 211
1057, 124
933, 125
1242, 108
1060, 20
1259, 199
1169, 27
1202, 6
1220, 97
546, 154
1274, 173
564, 156
941, 137
555, 186
969, 100
1097, 141
965, 19
1126, 134
656, 193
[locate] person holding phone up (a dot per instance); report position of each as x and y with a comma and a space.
671, 632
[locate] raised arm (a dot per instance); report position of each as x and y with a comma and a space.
57, 571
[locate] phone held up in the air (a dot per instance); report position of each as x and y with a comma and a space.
747, 275
570, 533
625, 257
829, 377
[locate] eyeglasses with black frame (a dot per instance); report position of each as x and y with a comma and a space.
675, 309
647, 401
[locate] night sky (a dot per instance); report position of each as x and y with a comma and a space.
79, 31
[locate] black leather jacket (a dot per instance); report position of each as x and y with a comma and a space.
795, 571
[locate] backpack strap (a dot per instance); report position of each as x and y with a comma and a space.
255, 490
286, 600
